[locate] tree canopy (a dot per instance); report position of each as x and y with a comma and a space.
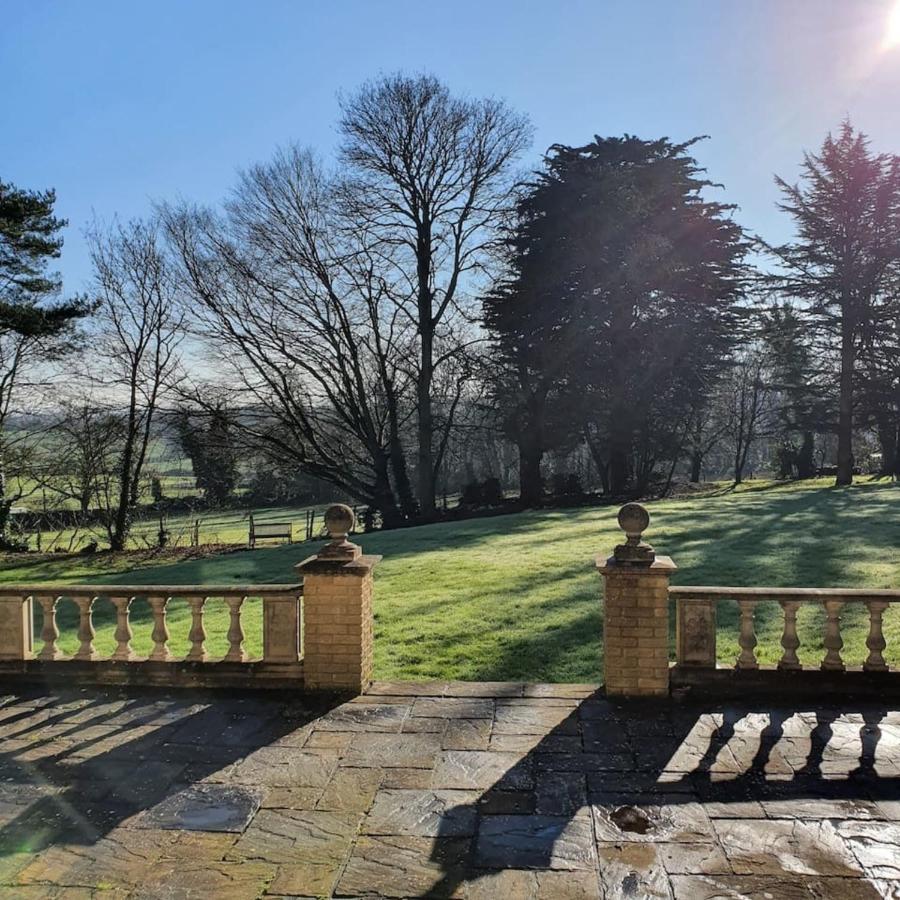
621, 305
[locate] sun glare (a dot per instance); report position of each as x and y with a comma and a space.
892, 30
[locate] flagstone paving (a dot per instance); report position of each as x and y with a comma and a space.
444, 789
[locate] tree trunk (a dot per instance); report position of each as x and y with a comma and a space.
5, 506
896, 470
384, 499
401, 479
425, 423
887, 439
740, 459
121, 527
845, 407
425, 454
806, 466
696, 466
531, 487
618, 470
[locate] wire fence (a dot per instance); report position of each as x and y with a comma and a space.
219, 527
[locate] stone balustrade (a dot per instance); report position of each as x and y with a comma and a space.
638, 607
696, 624
316, 634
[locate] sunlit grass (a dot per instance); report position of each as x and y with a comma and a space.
518, 597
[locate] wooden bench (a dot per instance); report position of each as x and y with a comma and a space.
270, 531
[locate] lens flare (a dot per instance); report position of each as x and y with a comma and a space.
892, 28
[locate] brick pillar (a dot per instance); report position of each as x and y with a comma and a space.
338, 625
636, 616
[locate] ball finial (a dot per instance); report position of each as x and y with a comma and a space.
634, 520
339, 522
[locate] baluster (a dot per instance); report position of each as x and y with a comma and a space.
124, 634
747, 637
197, 634
875, 641
789, 639
833, 641
160, 634
50, 630
235, 631
86, 633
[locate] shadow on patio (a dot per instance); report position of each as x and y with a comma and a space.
82, 764
658, 797
448, 789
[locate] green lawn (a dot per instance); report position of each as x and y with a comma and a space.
517, 597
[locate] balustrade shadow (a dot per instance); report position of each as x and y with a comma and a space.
77, 784
639, 761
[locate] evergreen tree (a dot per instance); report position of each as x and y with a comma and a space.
211, 449
621, 305
804, 399
843, 264
35, 329
29, 238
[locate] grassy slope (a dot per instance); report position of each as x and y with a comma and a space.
516, 597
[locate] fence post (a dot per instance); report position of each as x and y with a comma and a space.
338, 625
16, 627
636, 617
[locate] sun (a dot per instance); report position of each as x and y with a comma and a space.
892, 29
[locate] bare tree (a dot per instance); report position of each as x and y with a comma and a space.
139, 330
28, 368
79, 456
308, 340
705, 428
748, 407
430, 184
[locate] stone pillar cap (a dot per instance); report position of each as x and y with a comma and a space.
634, 520
339, 522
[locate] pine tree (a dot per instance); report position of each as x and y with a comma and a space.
29, 238
805, 399
843, 264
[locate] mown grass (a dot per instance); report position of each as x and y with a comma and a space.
517, 596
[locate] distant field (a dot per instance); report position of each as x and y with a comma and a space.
517, 596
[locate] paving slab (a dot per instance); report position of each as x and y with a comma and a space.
384, 751
418, 813
756, 847
205, 807
444, 789
394, 866
454, 707
535, 842
467, 734
481, 769
222, 880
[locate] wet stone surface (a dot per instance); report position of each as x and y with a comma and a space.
500, 790
205, 807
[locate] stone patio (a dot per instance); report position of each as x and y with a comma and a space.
461, 790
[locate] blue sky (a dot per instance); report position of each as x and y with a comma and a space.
116, 104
